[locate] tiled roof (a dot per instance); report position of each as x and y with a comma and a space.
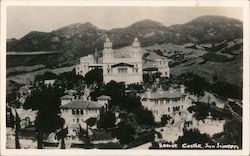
104, 97
82, 104
163, 95
67, 97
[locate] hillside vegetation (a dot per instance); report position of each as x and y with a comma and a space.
209, 46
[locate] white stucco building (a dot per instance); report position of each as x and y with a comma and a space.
165, 102
87, 63
76, 112
157, 65
209, 125
127, 69
122, 69
104, 100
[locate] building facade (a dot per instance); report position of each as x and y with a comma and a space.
165, 102
124, 69
162, 66
120, 69
87, 64
76, 112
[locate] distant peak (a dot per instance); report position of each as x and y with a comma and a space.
86, 25
148, 23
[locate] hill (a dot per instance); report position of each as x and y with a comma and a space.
78, 39
210, 46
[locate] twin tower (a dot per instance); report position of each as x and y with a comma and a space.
120, 69
134, 52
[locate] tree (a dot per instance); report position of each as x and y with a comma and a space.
165, 119
70, 80
144, 117
201, 110
232, 133
46, 76
193, 136
107, 119
125, 132
95, 75
131, 104
47, 101
114, 89
126, 128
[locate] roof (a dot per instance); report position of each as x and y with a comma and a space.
104, 97
67, 97
82, 104
122, 65
163, 95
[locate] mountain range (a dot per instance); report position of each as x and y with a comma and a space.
214, 40
81, 39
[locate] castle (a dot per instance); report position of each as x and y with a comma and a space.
169, 102
121, 69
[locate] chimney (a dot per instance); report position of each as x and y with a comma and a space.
182, 89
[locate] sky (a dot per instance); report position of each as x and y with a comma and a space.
23, 19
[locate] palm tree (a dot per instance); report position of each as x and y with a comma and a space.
17, 127
16, 119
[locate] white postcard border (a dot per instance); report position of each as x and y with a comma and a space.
188, 3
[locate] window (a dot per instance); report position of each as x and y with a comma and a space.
73, 112
81, 111
136, 69
122, 70
77, 120
168, 109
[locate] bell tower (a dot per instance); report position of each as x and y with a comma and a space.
136, 49
107, 51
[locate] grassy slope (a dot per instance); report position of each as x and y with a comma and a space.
230, 72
